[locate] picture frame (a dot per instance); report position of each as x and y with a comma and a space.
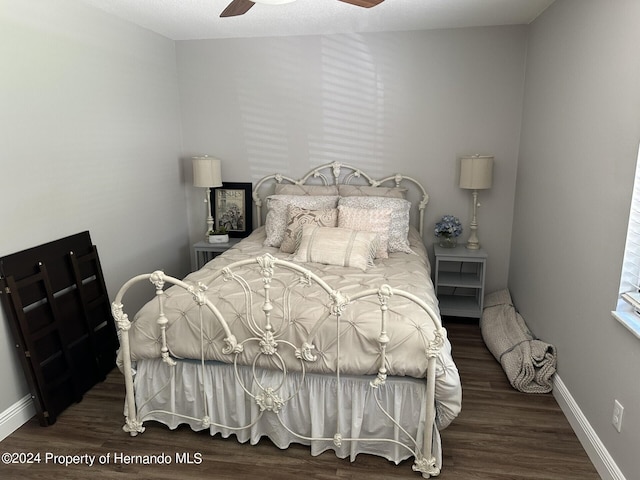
232, 208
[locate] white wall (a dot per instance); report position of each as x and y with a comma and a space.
408, 102
89, 140
580, 135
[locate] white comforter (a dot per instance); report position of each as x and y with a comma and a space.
408, 327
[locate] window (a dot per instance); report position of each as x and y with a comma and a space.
628, 307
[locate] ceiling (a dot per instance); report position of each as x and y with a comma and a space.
200, 19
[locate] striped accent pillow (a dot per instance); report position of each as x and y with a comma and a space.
336, 246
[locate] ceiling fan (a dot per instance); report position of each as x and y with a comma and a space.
240, 7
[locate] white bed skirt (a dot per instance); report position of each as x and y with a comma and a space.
311, 413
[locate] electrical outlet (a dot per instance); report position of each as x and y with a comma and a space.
618, 410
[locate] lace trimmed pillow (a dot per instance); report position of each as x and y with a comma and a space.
399, 226
375, 220
297, 217
337, 246
277, 216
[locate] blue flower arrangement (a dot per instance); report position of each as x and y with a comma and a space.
448, 227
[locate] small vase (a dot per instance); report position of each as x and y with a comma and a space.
448, 242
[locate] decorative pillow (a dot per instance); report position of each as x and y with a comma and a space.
369, 191
399, 226
294, 189
336, 246
368, 220
297, 217
277, 205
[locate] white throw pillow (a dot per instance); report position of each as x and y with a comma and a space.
369, 191
399, 227
314, 190
369, 220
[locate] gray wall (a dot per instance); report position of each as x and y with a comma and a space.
89, 140
408, 102
580, 134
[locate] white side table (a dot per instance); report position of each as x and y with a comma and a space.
203, 251
459, 280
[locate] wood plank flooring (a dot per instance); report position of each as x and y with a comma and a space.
500, 434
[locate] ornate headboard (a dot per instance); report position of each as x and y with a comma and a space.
341, 174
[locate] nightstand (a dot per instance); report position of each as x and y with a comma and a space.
459, 280
205, 251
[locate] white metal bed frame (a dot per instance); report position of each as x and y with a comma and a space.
268, 397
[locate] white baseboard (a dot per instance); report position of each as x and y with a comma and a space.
15, 416
604, 463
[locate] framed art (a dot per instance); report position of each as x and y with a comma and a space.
232, 208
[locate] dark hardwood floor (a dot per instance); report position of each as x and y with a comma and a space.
500, 434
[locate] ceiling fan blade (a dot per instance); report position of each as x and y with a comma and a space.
363, 3
237, 7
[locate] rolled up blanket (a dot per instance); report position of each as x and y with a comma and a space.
528, 362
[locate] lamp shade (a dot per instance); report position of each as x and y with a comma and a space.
206, 172
476, 172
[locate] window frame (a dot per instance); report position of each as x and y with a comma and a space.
627, 309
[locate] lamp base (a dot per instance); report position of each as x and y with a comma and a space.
474, 242
207, 200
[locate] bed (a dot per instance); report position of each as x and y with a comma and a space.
321, 327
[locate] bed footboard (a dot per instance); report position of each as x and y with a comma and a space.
266, 342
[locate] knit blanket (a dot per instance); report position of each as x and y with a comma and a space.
528, 362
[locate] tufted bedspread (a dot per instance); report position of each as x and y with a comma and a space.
359, 329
